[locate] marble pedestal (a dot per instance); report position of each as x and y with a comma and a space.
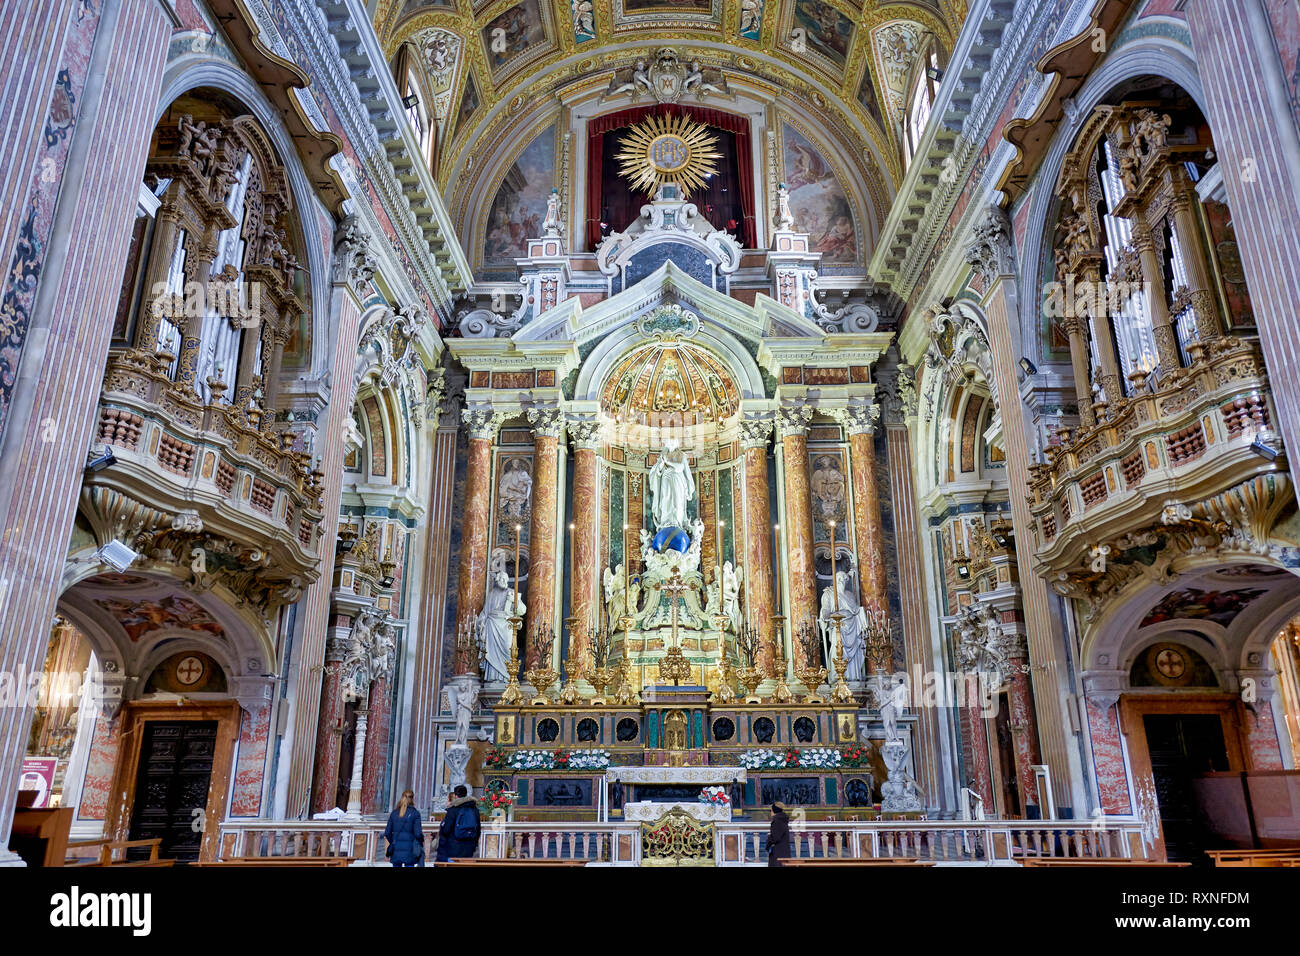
647, 811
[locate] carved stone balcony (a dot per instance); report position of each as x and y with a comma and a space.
1172, 466
190, 475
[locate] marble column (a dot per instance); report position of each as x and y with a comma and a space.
584, 575
1258, 144
325, 780
792, 423
873, 577
548, 423
1076, 327
482, 425
976, 727
1024, 723
1042, 616
1112, 382
358, 764
759, 567
1209, 323
68, 204
376, 757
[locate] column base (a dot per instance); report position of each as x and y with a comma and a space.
9, 858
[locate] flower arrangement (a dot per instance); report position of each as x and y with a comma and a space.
497, 757
792, 758
553, 760
715, 795
856, 756
497, 797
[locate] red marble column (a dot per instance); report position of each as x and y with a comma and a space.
869, 530
471, 584
375, 761
1024, 724
793, 424
542, 537
583, 605
326, 778
981, 770
758, 539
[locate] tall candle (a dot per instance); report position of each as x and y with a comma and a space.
776, 565
573, 549
627, 572
514, 608
835, 584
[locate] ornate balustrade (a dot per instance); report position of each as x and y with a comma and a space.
1157, 458
204, 472
735, 843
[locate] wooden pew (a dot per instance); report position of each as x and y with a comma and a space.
513, 861
1280, 857
40, 836
861, 861
1094, 862
107, 849
279, 862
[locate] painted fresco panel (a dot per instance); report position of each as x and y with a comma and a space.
817, 199
520, 204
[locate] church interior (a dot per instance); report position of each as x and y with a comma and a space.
644, 413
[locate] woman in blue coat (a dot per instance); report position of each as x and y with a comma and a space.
403, 833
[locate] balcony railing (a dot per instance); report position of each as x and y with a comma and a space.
176, 454
735, 844
1171, 448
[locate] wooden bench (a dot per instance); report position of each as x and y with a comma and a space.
860, 861
277, 862
107, 849
1283, 857
1094, 862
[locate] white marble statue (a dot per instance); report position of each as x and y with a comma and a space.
462, 695
893, 701
672, 485
615, 594
853, 624
494, 626
731, 595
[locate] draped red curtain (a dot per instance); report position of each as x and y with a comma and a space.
598, 126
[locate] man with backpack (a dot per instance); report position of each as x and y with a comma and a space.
459, 831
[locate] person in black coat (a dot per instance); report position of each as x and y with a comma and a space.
459, 831
778, 838
403, 833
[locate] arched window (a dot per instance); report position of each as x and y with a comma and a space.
922, 90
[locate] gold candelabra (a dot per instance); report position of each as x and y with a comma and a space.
782, 694
512, 694
879, 639
542, 676
569, 694
625, 695
841, 693
811, 677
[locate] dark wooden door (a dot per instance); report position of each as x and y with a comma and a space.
1182, 746
171, 787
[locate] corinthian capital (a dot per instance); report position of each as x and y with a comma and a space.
482, 421
794, 419
755, 432
858, 419
584, 433
990, 250
546, 421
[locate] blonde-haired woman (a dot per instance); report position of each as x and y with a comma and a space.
403, 833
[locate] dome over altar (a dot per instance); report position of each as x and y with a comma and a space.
670, 383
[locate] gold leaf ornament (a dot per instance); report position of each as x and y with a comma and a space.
668, 149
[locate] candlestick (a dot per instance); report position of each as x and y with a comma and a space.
573, 549
720, 525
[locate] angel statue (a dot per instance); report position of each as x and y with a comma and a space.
614, 594
853, 624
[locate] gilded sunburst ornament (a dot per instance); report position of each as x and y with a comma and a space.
668, 149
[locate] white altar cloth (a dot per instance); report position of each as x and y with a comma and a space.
648, 811
704, 776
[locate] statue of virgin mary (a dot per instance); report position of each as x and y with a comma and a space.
672, 485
